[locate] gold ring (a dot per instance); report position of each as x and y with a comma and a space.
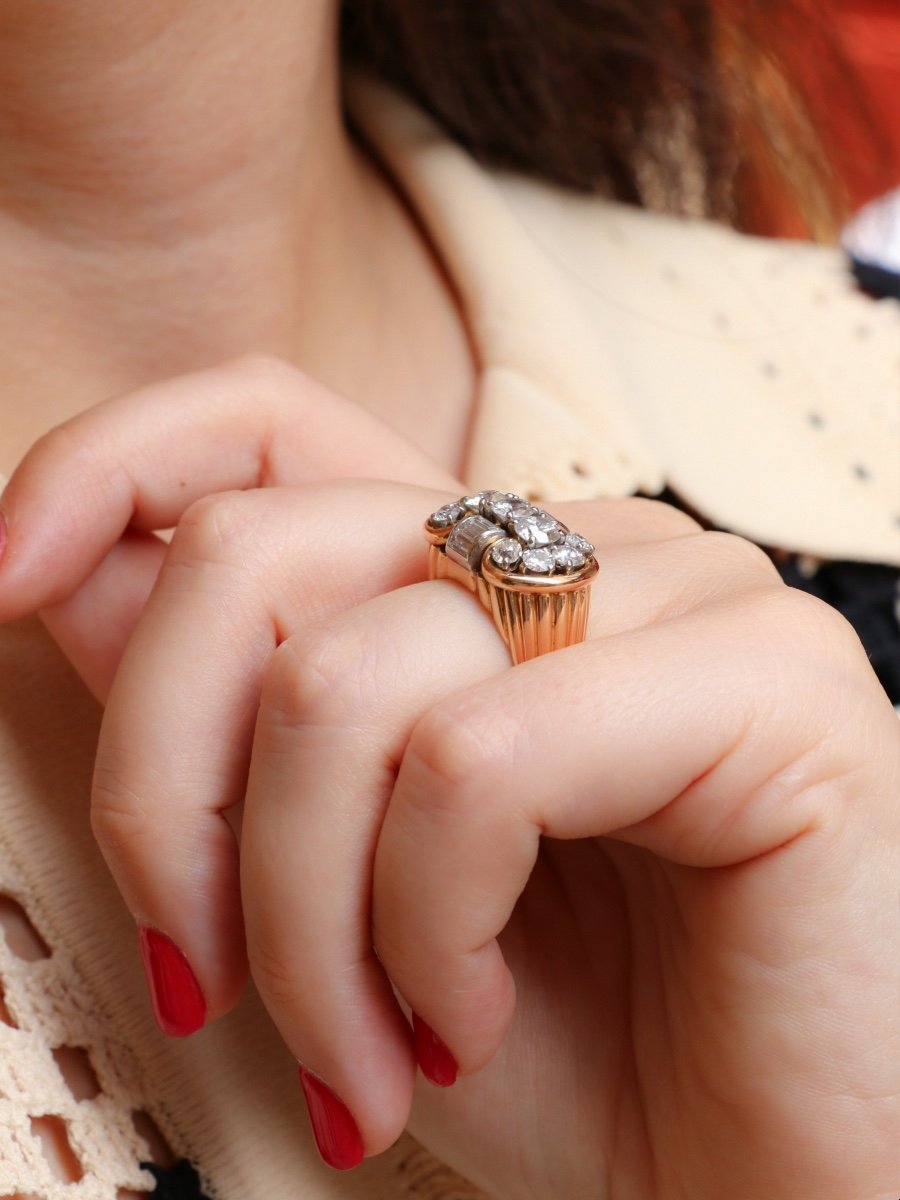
529, 570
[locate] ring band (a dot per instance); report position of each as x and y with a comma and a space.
529, 570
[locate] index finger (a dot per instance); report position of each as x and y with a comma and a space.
141, 459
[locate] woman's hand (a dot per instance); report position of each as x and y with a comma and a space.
684, 988
85, 501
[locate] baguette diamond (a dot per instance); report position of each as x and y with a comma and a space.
469, 539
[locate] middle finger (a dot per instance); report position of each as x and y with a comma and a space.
339, 702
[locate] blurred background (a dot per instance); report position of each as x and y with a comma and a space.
867, 33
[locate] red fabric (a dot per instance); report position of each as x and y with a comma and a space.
870, 33
856, 104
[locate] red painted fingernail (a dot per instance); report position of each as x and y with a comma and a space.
178, 1003
337, 1135
436, 1061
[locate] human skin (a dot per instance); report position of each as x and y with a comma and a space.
642, 888
113, 221
177, 188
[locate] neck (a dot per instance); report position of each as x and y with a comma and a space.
177, 187
151, 121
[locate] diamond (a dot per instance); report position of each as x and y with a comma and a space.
500, 504
577, 542
506, 553
535, 527
470, 539
540, 561
567, 558
472, 503
446, 515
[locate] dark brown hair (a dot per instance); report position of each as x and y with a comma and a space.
684, 105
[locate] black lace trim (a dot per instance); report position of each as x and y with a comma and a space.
180, 1182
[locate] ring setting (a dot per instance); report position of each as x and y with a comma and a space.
529, 570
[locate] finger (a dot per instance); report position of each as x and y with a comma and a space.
337, 705
93, 625
143, 458
339, 702
120, 585
616, 522
244, 571
641, 736
176, 737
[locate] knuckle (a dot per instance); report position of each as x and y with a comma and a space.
808, 686
663, 518
732, 545
61, 441
805, 639
709, 567
119, 815
264, 371
276, 976
327, 674
829, 628
733, 553
294, 683
213, 527
77, 448
456, 754
445, 750
807, 619
412, 961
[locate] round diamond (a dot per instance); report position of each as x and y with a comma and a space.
473, 503
506, 553
446, 515
517, 508
539, 561
567, 558
577, 542
535, 527
500, 504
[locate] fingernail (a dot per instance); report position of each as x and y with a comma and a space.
436, 1061
178, 1003
336, 1133
3, 533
